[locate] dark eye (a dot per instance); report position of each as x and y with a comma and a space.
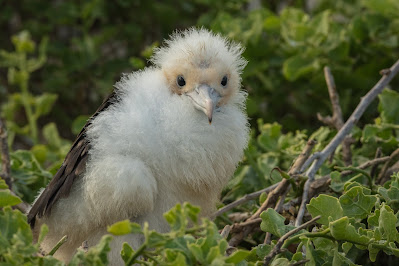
180, 81
224, 81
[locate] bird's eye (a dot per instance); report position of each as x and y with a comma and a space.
224, 81
180, 81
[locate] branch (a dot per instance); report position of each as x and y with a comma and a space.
386, 166
275, 193
378, 154
337, 120
344, 131
277, 248
242, 200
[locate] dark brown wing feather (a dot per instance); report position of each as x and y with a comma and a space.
72, 167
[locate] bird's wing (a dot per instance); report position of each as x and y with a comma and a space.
72, 167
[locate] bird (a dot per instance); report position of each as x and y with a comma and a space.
173, 132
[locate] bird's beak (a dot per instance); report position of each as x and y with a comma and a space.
205, 99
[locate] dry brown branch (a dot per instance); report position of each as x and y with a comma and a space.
242, 200
5, 156
378, 154
277, 248
274, 195
336, 121
373, 162
226, 231
382, 176
343, 132
85, 246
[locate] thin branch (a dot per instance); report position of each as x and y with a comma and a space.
5, 156
226, 231
242, 200
384, 169
337, 120
275, 193
344, 131
277, 248
378, 154
310, 160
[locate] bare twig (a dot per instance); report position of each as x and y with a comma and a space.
310, 160
226, 231
378, 154
275, 193
85, 246
242, 200
5, 156
343, 132
277, 248
384, 169
336, 121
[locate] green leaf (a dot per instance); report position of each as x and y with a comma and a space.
326, 206
373, 218
50, 133
388, 107
273, 223
44, 103
6, 199
40, 152
3, 184
356, 204
96, 255
336, 181
78, 123
263, 250
387, 224
120, 228
341, 229
346, 246
390, 195
196, 250
388, 7
238, 256
280, 262
298, 66
126, 252
340, 259
213, 253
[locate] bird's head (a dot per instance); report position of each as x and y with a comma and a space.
202, 66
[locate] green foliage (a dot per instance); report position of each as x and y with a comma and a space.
287, 52
92, 43
198, 243
20, 66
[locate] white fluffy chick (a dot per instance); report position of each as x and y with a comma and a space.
168, 134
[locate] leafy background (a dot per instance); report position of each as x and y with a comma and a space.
58, 54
